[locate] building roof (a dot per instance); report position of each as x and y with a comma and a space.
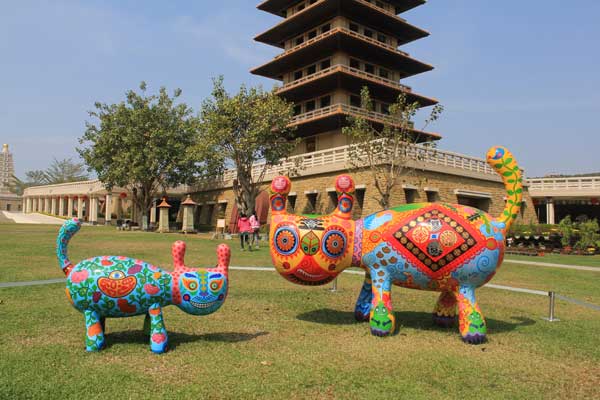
359, 11
278, 7
353, 80
335, 116
348, 41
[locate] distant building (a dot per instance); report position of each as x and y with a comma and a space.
8, 200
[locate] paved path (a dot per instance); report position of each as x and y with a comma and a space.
21, 218
563, 266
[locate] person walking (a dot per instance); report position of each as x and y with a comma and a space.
255, 225
244, 228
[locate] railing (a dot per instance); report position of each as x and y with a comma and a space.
347, 32
345, 109
572, 183
345, 68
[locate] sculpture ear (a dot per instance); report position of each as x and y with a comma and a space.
178, 254
344, 186
223, 259
280, 187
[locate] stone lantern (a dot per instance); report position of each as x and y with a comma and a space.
188, 215
163, 217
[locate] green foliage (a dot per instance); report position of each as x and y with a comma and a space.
388, 153
245, 129
143, 143
567, 230
588, 234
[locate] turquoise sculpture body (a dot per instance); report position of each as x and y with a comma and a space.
116, 286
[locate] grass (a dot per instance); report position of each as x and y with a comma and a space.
274, 340
591, 261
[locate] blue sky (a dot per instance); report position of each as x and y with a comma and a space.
513, 72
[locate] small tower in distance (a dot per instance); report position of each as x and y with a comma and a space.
7, 169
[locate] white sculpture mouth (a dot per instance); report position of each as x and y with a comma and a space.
202, 305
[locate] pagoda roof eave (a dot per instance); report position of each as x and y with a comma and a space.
358, 11
346, 78
343, 39
277, 7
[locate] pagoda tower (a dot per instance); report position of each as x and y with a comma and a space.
7, 169
333, 48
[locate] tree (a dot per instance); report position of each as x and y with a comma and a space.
245, 129
386, 153
142, 144
61, 171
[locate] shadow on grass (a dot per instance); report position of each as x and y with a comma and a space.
176, 338
408, 319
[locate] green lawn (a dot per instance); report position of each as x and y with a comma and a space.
275, 340
591, 261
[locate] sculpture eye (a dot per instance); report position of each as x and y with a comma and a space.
216, 285
116, 275
190, 284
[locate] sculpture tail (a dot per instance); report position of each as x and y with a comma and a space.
69, 228
504, 163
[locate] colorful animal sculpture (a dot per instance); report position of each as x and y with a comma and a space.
449, 248
116, 286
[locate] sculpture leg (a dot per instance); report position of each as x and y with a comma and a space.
158, 332
362, 311
382, 318
471, 322
444, 313
94, 334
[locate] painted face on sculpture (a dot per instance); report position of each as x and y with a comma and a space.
311, 251
202, 292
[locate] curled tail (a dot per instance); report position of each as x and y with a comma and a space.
504, 163
65, 234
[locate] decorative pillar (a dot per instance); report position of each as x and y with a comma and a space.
53, 206
550, 216
34, 203
47, 205
188, 215
163, 218
93, 211
28, 205
153, 213
61, 206
108, 209
80, 208
86, 208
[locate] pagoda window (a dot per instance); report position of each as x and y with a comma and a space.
312, 34
368, 33
353, 27
355, 101
300, 7
325, 101
311, 70
325, 64
299, 40
385, 108
384, 73
382, 38
298, 109
369, 68
310, 105
298, 75
354, 63
325, 28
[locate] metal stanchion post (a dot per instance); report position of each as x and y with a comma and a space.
551, 318
334, 286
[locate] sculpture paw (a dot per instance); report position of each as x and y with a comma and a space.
380, 332
443, 321
474, 338
362, 317
158, 343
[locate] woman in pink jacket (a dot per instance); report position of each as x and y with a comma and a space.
244, 227
255, 225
